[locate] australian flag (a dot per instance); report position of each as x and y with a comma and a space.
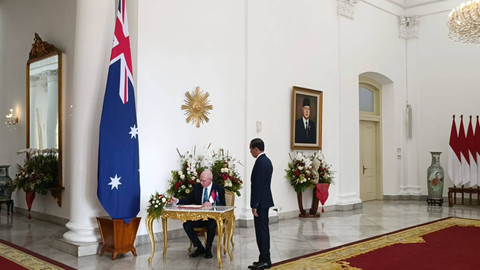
118, 176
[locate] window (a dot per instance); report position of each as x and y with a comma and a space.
369, 98
366, 99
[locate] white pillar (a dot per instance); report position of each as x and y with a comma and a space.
33, 106
95, 22
52, 109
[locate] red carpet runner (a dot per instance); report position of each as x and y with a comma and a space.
13, 257
445, 244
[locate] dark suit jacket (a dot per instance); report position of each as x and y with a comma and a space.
261, 179
196, 196
300, 134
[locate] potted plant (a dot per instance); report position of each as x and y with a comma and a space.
224, 172
300, 174
39, 173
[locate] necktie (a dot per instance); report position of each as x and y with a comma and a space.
306, 129
205, 195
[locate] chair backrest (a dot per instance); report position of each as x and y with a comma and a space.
229, 198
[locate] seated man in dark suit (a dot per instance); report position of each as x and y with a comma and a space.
202, 195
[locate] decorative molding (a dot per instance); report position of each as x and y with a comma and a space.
408, 27
41, 48
51, 73
346, 7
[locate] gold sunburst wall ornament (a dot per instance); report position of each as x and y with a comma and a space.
197, 107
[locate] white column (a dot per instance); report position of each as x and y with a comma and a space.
411, 182
33, 122
95, 22
347, 129
52, 109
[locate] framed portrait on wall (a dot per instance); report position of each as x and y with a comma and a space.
306, 128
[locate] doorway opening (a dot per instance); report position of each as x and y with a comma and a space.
370, 141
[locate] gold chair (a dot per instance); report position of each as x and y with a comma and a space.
229, 201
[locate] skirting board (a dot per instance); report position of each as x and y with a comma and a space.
294, 214
407, 198
42, 216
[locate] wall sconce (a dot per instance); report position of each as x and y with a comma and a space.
11, 119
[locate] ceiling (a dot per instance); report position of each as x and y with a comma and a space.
413, 3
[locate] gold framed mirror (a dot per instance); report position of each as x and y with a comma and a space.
44, 103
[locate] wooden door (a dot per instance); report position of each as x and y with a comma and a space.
368, 160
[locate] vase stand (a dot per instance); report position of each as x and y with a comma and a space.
118, 237
431, 201
9, 204
309, 215
312, 213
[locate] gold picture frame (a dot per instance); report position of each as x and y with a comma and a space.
306, 134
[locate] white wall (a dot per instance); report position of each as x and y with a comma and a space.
182, 45
369, 45
54, 21
290, 43
254, 58
446, 83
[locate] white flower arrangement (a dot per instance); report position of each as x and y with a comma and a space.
222, 166
156, 204
299, 172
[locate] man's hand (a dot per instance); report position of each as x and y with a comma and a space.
173, 200
254, 212
206, 204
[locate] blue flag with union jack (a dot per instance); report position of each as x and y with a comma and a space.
118, 164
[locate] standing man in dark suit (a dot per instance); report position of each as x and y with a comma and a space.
201, 195
260, 201
305, 130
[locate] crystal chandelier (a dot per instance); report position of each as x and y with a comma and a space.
464, 22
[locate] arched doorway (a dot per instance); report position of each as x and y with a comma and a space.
370, 141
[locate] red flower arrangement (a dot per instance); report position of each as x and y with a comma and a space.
300, 173
221, 165
224, 173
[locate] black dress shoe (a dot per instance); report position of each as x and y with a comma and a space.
208, 255
253, 266
197, 253
262, 265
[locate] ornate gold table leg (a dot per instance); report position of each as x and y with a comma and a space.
219, 240
231, 222
232, 228
164, 225
149, 224
225, 235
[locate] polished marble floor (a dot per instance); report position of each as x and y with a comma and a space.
289, 238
